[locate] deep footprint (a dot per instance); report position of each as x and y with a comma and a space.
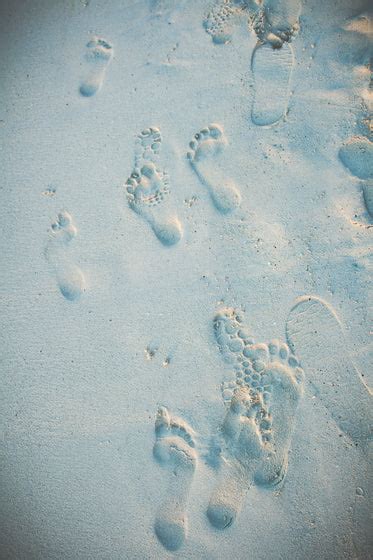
99, 54
268, 383
208, 143
314, 331
70, 278
174, 449
148, 191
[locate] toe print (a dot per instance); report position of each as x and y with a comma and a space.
207, 144
148, 192
175, 450
70, 278
99, 54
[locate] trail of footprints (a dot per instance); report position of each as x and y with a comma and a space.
261, 400
267, 381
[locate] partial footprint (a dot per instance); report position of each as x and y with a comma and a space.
148, 190
270, 380
206, 145
272, 69
70, 278
314, 331
277, 21
175, 450
357, 156
220, 20
99, 54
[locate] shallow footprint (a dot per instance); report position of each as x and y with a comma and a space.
244, 451
314, 330
357, 155
272, 69
70, 278
148, 189
220, 21
206, 145
99, 54
174, 449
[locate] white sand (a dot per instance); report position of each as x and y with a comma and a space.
119, 250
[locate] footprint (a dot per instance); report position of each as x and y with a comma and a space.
99, 54
70, 278
174, 449
272, 69
268, 384
208, 143
275, 25
357, 155
314, 330
148, 189
220, 21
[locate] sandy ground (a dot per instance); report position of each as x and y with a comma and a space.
186, 214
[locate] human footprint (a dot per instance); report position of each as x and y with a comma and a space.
315, 332
207, 144
99, 54
175, 450
70, 278
148, 189
257, 431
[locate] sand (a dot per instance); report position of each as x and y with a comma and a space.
186, 215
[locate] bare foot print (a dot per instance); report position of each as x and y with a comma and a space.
175, 450
99, 54
262, 399
357, 156
207, 144
275, 24
70, 278
315, 332
220, 21
148, 191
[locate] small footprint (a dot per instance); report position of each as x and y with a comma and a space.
357, 156
70, 278
262, 401
208, 143
220, 21
314, 331
99, 54
148, 189
175, 450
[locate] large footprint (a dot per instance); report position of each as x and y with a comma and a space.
174, 449
270, 377
99, 54
206, 145
357, 156
148, 189
315, 332
70, 278
273, 59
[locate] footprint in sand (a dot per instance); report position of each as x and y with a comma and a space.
70, 278
357, 156
219, 22
275, 25
208, 143
315, 332
99, 54
175, 450
262, 400
148, 190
